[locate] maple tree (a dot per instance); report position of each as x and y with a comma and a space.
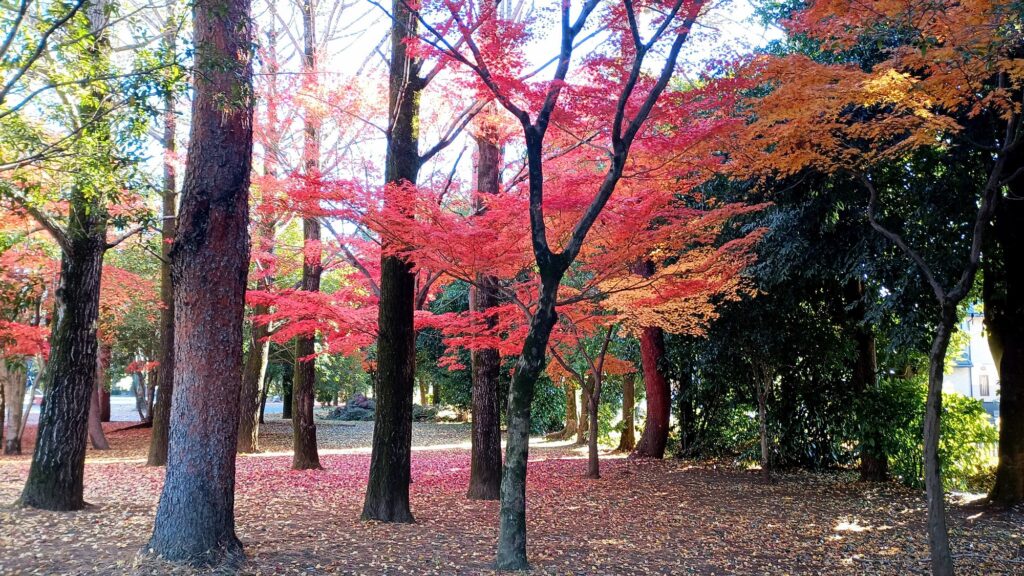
955, 63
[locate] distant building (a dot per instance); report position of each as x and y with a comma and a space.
974, 371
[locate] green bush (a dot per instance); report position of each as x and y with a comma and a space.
548, 408
966, 433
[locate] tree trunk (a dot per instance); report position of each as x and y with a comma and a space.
627, 441
58, 462
96, 436
161, 415
1004, 321
263, 400
659, 396
195, 520
762, 382
286, 391
485, 460
593, 401
512, 517
874, 462
687, 415
250, 405
13, 383
304, 451
102, 391
387, 492
424, 391
938, 535
583, 430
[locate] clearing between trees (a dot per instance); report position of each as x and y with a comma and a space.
641, 517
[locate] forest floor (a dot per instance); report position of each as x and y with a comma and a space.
641, 517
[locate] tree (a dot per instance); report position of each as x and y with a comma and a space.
953, 63
195, 518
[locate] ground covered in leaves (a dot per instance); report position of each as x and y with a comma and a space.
642, 517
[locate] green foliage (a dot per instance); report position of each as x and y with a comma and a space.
339, 375
967, 435
548, 408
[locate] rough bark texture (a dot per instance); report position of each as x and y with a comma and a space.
58, 463
485, 459
627, 441
1004, 320
659, 396
195, 518
304, 452
512, 519
387, 492
161, 414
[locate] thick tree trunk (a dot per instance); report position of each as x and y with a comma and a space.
161, 414
58, 463
627, 441
938, 535
387, 492
304, 452
512, 518
250, 404
874, 462
195, 520
485, 462
102, 391
659, 396
1004, 321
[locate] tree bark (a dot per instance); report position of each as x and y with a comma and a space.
102, 391
762, 383
161, 415
286, 390
195, 521
874, 462
485, 459
938, 535
58, 462
1004, 320
659, 396
387, 492
583, 430
304, 450
254, 372
96, 436
13, 382
627, 441
263, 400
593, 401
512, 516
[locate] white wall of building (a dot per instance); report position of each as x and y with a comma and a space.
975, 374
